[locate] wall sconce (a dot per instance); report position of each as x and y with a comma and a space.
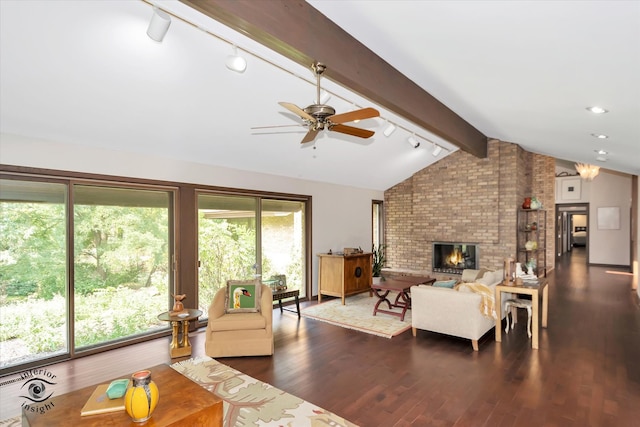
413, 142
236, 62
586, 171
159, 25
389, 129
437, 150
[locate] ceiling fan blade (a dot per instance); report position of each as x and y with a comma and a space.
364, 113
310, 136
350, 130
299, 111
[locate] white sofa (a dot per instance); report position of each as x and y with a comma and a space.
453, 312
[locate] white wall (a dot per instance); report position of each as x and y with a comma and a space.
341, 215
610, 189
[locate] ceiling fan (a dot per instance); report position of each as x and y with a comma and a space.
320, 116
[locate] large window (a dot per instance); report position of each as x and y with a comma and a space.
121, 262
33, 271
283, 242
118, 269
226, 243
377, 219
241, 237
87, 262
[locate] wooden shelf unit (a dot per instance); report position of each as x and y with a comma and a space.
344, 275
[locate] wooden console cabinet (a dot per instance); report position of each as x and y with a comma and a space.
343, 275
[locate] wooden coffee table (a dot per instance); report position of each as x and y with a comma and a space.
182, 403
402, 285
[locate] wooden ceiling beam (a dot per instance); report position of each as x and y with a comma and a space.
301, 33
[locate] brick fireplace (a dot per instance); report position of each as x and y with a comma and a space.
462, 198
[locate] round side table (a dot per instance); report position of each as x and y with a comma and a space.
180, 345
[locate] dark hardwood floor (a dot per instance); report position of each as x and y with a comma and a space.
586, 372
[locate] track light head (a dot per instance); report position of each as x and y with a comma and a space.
236, 62
413, 142
389, 129
159, 25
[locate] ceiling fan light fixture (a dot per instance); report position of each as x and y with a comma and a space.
587, 172
436, 151
413, 142
159, 25
236, 62
389, 129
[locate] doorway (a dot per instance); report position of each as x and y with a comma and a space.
572, 229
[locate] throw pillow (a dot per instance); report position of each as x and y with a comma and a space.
243, 296
445, 283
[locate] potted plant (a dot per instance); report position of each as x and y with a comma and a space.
378, 261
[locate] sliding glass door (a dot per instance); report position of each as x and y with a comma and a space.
33, 271
121, 262
58, 298
283, 242
242, 237
227, 245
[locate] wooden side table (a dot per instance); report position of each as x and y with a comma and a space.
534, 291
287, 293
180, 345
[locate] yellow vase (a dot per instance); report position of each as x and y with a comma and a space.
142, 397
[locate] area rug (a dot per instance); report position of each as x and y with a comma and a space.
357, 314
249, 402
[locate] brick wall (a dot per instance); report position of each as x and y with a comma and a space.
462, 198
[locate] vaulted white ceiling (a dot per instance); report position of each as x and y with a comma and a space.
86, 73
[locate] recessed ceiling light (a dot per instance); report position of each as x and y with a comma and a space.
597, 110
599, 136
601, 152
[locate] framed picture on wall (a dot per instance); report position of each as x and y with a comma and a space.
609, 218
570, 189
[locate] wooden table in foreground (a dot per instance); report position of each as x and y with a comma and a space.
182, 403
402, 285
534, 291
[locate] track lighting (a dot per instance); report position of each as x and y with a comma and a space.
437, 150
236, 62
413, 142
389, 129
159, 25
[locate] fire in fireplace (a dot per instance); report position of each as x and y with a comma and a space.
452, 258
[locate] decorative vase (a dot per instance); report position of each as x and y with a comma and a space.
535, 204
142, 397
527, 203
